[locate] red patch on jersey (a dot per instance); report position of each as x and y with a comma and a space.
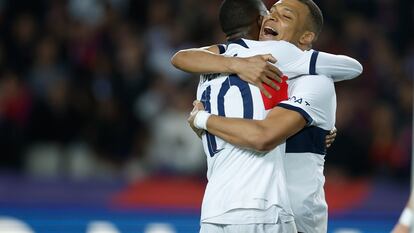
277, 96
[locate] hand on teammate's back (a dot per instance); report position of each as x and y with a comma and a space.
257, 70
330, 138
198, 106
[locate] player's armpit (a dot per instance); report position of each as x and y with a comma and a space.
260, 135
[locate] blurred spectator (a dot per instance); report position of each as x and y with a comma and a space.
15, 105
175, 147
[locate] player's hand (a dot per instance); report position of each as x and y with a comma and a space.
399, 228
198, 106
257, 70
330, 138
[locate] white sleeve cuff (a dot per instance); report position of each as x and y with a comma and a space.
200, 120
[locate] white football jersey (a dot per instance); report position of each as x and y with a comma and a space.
315, 99
242, 179
239, 178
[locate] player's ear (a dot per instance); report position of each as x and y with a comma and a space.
307, 38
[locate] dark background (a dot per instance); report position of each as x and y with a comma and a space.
93, 78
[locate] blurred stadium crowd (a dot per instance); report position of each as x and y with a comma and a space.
87, 89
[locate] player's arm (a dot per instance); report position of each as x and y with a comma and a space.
338, 67
260, 135
311, 105
201, 60
209, 60
255, 70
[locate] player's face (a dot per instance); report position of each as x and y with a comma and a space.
256, 26
285, 21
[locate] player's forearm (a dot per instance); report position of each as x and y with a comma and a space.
261, 135
251, 134
202, 61
339, 67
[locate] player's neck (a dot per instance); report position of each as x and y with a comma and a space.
245, 34
303, 47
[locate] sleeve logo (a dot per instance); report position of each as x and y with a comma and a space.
298, 100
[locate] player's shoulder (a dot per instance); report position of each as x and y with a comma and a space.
320, 79
318, 84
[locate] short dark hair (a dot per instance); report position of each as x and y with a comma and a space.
316, 16
235, 15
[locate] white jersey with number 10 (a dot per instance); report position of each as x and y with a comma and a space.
240, 179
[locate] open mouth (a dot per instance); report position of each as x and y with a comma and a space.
270, 31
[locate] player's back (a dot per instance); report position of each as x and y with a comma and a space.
227, 95
241, 178
238, 178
